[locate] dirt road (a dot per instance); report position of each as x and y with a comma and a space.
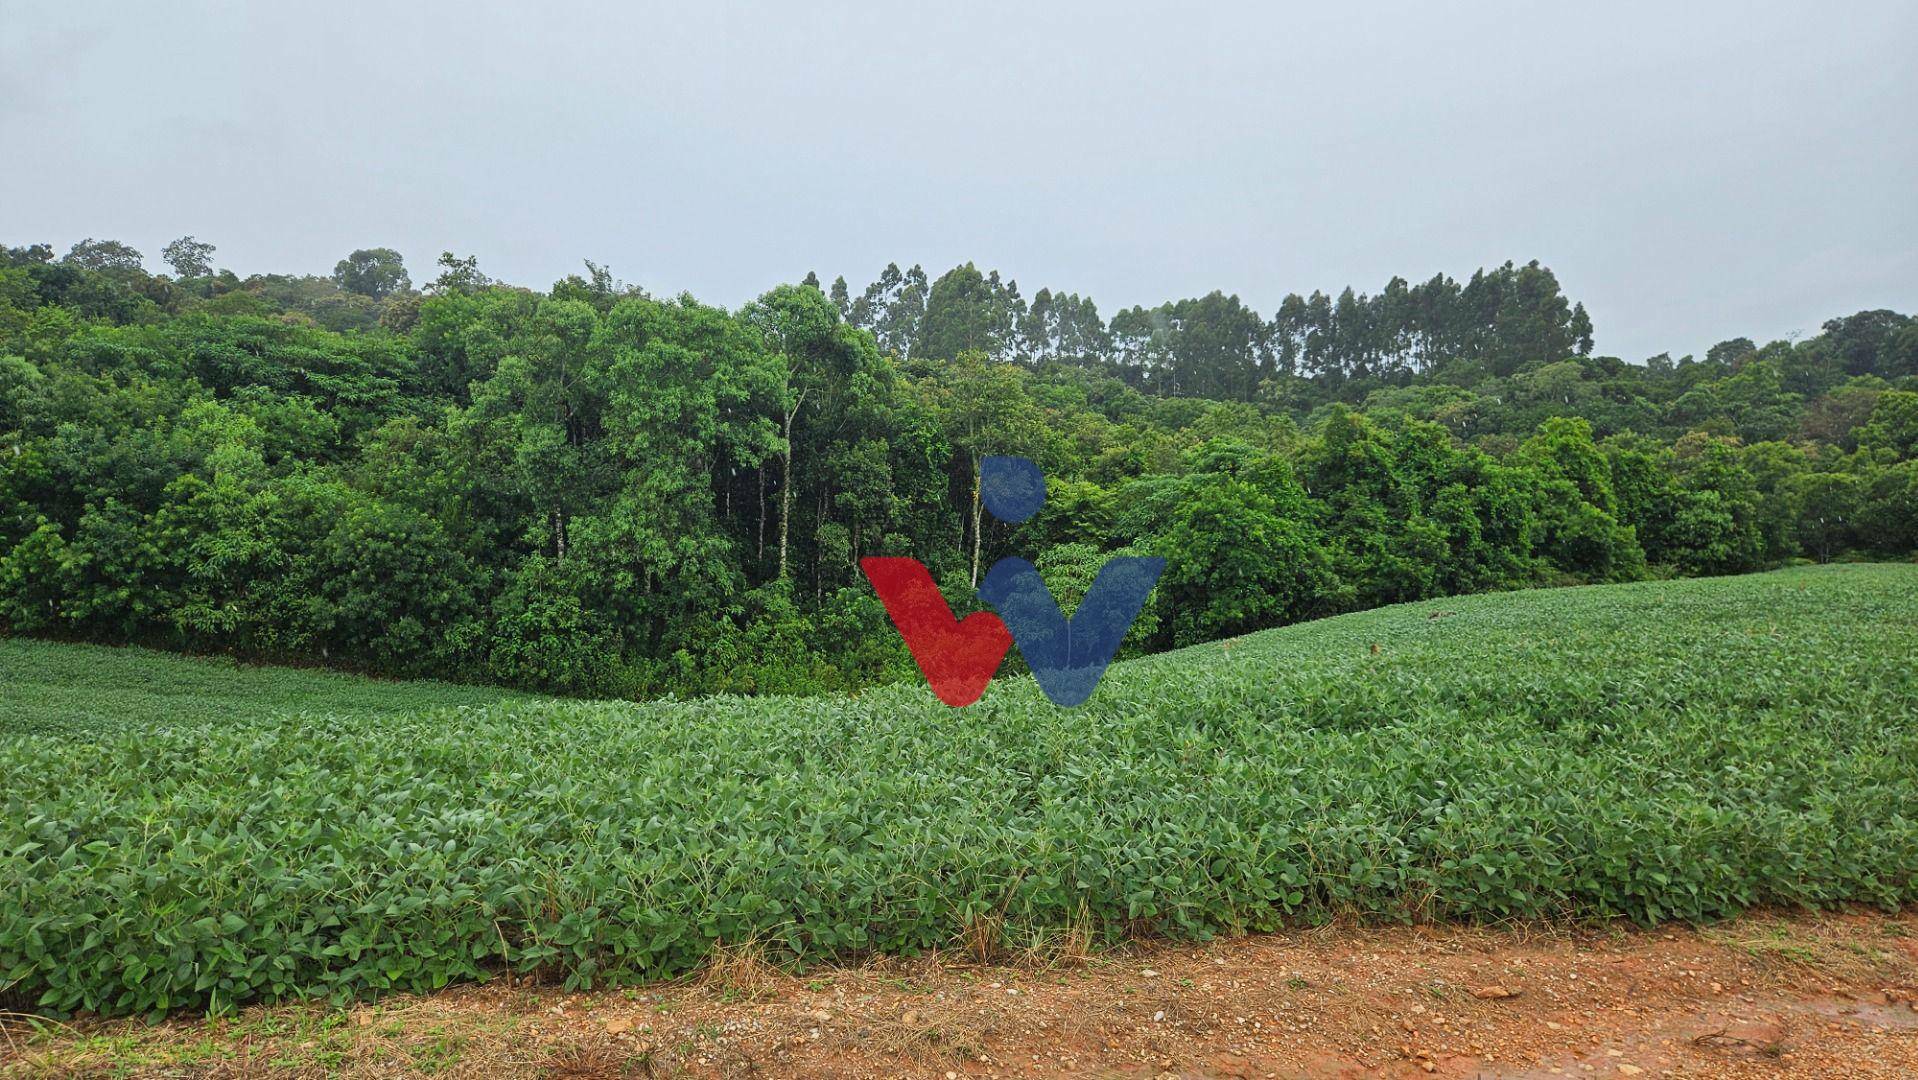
1766, 996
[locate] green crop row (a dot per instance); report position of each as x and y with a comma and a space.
1678, 750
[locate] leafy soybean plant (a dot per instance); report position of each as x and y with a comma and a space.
1675, 750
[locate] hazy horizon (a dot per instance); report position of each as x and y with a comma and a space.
1690, 176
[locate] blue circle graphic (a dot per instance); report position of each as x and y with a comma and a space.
1013, 487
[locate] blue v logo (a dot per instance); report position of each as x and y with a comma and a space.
1067, 656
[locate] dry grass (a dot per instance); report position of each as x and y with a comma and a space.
1829, 949
743, 972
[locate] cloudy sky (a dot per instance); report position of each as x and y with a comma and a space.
1692, 172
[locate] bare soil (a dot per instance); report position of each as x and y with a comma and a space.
1832, 995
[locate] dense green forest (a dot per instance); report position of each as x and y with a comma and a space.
593, 490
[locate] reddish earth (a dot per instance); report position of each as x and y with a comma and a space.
1766, 996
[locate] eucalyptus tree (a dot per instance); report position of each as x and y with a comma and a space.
818, 362
188, 257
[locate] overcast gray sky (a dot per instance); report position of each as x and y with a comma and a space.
1691, 171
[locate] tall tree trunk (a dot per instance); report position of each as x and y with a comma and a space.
786, 493
977, 507
964, 531
762, 513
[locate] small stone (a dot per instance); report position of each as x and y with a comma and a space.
618, 1025
1493, 993
1629, 1070
1149, 973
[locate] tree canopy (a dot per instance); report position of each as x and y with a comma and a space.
588, 489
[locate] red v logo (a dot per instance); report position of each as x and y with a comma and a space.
958, 656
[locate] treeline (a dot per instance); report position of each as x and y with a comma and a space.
593, 490
1215, 346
